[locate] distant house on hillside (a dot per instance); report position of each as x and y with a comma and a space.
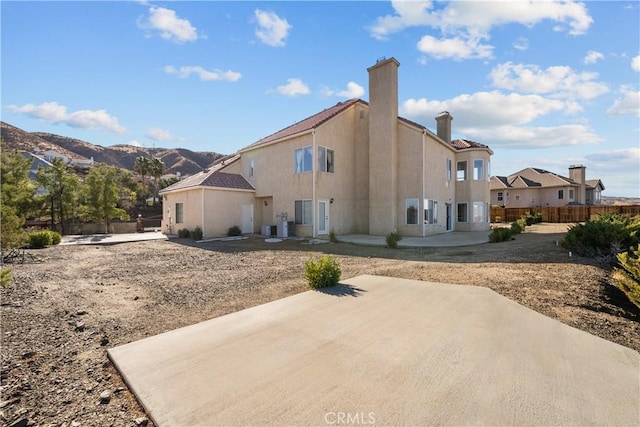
77, 163
532, 187
36, 163
355, 167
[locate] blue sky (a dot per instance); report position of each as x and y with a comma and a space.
544, 84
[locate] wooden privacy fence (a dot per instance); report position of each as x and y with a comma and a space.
564, 213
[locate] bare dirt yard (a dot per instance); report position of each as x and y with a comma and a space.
63, 311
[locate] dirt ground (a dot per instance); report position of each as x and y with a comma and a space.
63, 311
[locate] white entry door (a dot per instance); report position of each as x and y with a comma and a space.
247, 219
323, 217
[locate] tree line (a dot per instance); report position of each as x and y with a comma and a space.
58, 194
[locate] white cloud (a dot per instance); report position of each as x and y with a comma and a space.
353, 90
294, 87
170, 26
158, 134
205, 75
455, 48
134, 143
272, 30
635, 63
593, 57
616, 156
521, 44
504, 120
559, 81
628, 104
55, 113
478, 17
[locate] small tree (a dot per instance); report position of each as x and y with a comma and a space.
102, 194
61, 186
156, 169
16, 198
142, 166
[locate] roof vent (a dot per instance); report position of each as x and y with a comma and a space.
382, 58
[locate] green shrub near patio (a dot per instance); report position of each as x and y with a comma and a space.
500, 234
322, 273
42, 238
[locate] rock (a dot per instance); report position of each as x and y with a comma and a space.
136, 298
105, 397
22, 422
79, 326
75, 423
141, 421
104, 340
81, 312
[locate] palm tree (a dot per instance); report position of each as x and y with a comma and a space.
142, 166
156, 169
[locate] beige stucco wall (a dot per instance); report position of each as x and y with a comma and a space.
222, 210
436, 185
410, 159
526, 197
472, 190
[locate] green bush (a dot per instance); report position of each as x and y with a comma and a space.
500, 234
534, 218
234, 231
39, 239
392, 239
608, 233
518, 226
628, 279
6, 277
196, 234
184, 233
56, 238
322, 273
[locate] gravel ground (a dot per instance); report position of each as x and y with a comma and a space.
71, 303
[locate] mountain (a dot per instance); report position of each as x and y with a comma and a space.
175, 160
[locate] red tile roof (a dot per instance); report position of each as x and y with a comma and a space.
213, 177
461, 144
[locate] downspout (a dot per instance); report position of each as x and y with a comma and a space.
314, 168
423, 187
202, 210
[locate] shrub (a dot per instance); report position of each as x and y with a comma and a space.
534, 218
518, 226
6, 277
184, 233
500, 234
608, 233
392, 239
196, 234
628, 279
56, 238
332, 237
39, 239
322, 273
234, 231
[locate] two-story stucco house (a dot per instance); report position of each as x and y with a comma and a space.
355, 167
532, 187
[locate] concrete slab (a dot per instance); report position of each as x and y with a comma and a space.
454, 238
383, 351
110, 239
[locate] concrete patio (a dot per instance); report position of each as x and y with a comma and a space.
384, 351
453, 238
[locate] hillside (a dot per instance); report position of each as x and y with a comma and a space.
181, 160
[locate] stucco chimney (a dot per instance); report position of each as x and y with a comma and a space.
578, 174
383, 146
443, 123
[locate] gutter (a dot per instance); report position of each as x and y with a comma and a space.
421, 214
314, 169
202, 211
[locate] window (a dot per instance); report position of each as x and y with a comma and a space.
517, 197
179, 213
303, 212
448, 169
303, 159
560, 194
412, 211
500, 198
488, 170
325, 160
570, 194
251, 167
430, 211
461, 174
462, 212
478, 169
478, 211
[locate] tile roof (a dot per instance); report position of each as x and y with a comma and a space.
542, 178
308, 123
498, 182
461, 144
213, 177
593, 183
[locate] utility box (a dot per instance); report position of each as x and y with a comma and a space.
266, 230
282, 225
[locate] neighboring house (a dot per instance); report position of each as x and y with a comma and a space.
76, 163
355, 167
36, 163
532, 187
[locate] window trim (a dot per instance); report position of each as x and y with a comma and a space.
475, 169
477, 219
179, 213
300, 160
303, 212
458, 170
326, 165
409, 203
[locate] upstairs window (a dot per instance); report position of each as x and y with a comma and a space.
478, 169
325, 160
449, 169
303, 160
570, 194
461, 171
560, 194
251, 166
500, 197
